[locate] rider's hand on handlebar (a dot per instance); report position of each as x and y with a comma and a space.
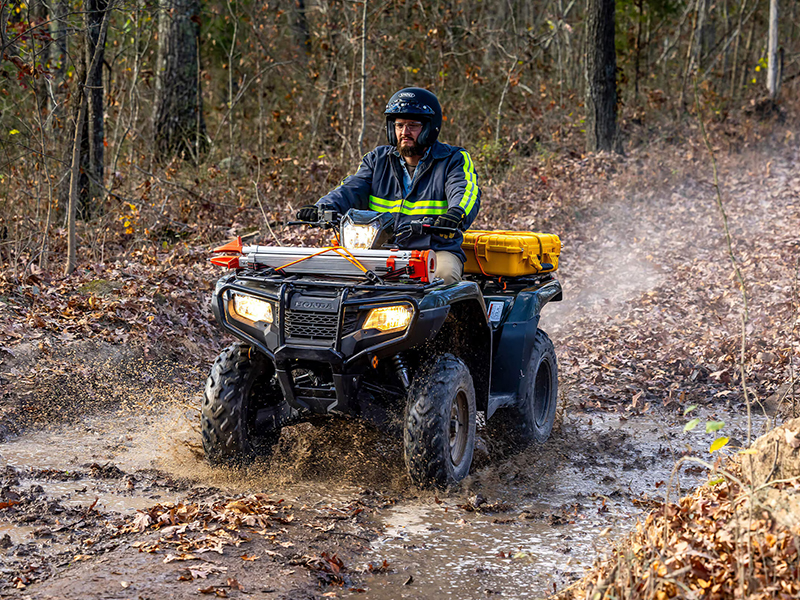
404, 234
308, 213
452, 219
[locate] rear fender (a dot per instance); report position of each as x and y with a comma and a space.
514, 340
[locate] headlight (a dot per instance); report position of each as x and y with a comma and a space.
252, 308
358, 236
389, 318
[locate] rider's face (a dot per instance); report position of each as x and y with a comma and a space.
407, 131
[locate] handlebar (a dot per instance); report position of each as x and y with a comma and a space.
330, 220
420, 227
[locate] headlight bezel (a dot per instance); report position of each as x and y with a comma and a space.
251, 309
390, 318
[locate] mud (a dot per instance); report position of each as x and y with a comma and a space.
529, 520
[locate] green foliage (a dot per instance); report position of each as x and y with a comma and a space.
691, 424
492, 159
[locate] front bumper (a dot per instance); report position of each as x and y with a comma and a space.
318, 329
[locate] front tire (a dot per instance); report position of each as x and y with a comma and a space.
240, 384
439, 424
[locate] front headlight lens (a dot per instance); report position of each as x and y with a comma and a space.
252, 308
355, 237
389, 318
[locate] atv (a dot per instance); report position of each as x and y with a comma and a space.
362, 329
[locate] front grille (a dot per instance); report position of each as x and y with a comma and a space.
310, 325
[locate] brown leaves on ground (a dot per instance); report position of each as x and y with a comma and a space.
152, 297
329, 568
210, 527
716, 543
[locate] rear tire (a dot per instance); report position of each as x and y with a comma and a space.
532, 419
439, 424
240, 383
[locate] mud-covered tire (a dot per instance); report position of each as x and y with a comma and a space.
532, 418
240, 382
439, 424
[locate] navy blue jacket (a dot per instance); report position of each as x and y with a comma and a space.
444, 177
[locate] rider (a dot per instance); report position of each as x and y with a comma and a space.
414, 177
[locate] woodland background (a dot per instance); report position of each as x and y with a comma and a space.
194, 116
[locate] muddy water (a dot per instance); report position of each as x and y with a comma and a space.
542, 516
567, 502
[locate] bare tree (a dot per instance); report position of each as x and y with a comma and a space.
773, 78
79, 136
94, 57
178, 116
601, 81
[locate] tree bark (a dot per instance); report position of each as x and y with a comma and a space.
601, 81
95, 133
178, 117
58, 61
78, 145
40, 16
773, 80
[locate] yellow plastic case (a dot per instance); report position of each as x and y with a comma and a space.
510, 253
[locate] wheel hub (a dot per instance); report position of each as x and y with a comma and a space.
459, 427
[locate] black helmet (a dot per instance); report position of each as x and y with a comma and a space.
417, 103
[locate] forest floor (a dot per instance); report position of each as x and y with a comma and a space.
104, 493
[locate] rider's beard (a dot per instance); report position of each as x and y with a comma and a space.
413, 149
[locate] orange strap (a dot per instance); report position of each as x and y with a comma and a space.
475, 249
340, 250
478, 260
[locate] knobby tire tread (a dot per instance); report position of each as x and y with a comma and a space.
427, 421
224, 438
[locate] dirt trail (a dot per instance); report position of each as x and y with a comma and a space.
648, 320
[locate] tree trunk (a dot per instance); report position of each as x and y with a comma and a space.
78, 140
74, 175
57, 57
301, 28
178, 117
773, 81
601, 82
95, 135
40, 17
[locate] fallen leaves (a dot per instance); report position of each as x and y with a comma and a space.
792, 439
172, 558
699, 544
328, 567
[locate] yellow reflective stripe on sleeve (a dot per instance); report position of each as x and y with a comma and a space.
471, 191
425, 207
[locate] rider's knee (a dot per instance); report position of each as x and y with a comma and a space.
448, 267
